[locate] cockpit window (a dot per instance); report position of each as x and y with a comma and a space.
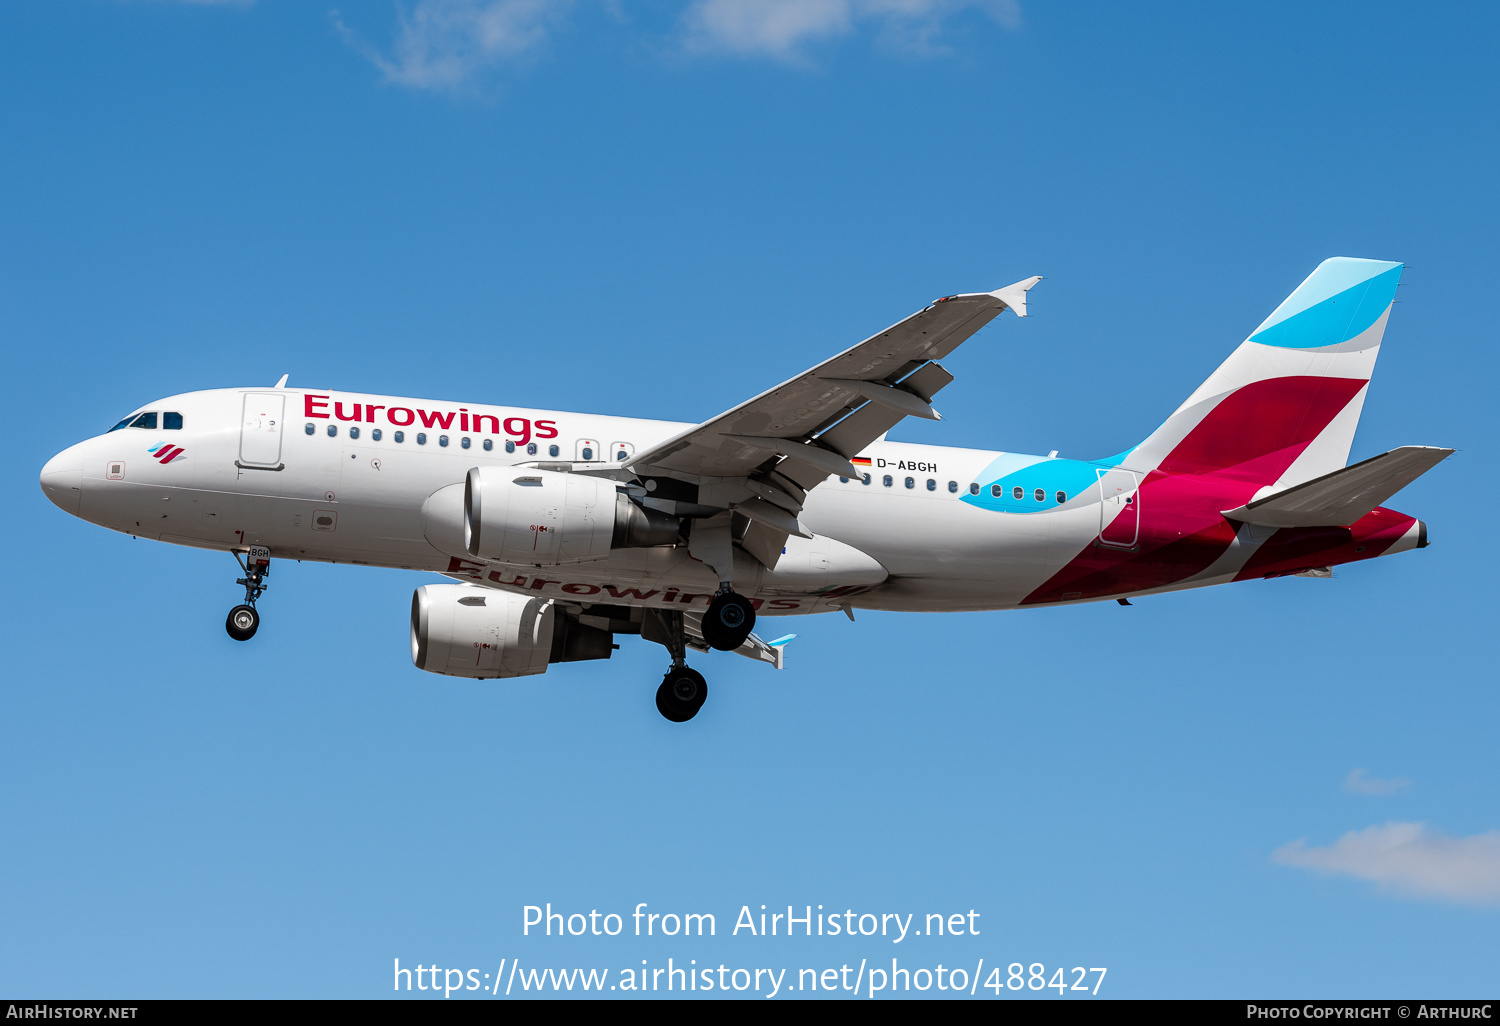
171, 421
145, 420
123, 424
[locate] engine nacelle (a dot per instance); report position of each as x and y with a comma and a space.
464, 631
546, 518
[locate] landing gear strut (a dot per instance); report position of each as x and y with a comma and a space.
243, 620
729, 620
683, 690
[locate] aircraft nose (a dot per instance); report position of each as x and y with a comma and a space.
62, 479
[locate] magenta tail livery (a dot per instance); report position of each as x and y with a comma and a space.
563, 530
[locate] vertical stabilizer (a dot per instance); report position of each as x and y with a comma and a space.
1283, 408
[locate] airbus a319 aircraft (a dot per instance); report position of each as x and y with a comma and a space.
563, 530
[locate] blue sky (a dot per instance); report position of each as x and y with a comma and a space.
659, 208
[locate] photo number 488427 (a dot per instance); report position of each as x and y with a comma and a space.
1035, 977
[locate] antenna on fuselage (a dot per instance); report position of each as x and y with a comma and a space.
282, 382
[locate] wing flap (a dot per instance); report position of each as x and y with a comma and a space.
928, 381
1342, 497
859, 429
764, 542
771, 515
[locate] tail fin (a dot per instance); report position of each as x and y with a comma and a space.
1283, 408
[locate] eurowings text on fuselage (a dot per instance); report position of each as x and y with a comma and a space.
565, 529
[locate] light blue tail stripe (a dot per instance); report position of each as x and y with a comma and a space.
1337, 318
1332, 276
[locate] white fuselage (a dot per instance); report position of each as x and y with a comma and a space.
330, 496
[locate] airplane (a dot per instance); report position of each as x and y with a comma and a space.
563, 530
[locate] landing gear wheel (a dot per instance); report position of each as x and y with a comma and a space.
242, 623
728, 622
682, 693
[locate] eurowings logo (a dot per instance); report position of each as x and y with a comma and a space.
166, 452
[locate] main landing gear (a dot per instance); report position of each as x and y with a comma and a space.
683, 690
729, 620
243, 620
682, 693
726, 624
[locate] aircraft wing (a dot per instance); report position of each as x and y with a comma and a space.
1342, 497
756, 462
820, 418
761, 458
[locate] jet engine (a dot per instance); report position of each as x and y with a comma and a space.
463, 631
547, 518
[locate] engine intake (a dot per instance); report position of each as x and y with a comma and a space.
546, 518
463, 631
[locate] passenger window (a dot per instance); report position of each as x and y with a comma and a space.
509, 445
443, 441
953, 487
399, 436
866, 480
888, 481
145, 420
1062, 497
553, 450
911, 482
843, 480
931, 485
588, 453
995, 491
375, 434
1039, 495
489, 443
421, 438
464, 442
354, 432
622, 450
171, 421
310, 429
531, 449
1017, 492
333, 430
973, 488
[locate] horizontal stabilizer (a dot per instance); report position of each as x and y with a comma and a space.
1342, 497
753, 648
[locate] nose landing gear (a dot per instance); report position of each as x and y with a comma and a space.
243, 620
242, 623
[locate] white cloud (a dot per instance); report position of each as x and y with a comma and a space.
1409, 859
443, 44
780, 28
1358, 783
